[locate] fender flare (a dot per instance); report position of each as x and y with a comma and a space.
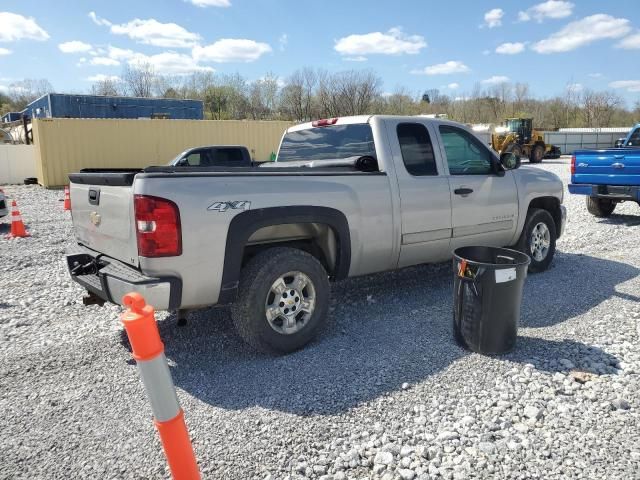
245, 224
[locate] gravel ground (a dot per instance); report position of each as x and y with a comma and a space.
383, 393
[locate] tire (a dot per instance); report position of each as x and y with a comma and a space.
600, 207
537, 154
257, 281
527, 241
515, 149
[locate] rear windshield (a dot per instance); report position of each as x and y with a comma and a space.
327, 143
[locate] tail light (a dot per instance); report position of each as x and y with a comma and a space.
325, 122
157, 227
573, 164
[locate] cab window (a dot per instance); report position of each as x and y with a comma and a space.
417, 149
634, 139
466, 155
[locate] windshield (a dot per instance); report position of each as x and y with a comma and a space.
514, 125
327, 143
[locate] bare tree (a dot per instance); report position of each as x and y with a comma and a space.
599, 107
106, 86
26, 91
139, 80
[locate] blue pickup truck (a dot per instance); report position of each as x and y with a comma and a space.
608, 177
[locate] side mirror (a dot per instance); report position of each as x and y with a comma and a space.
509, 160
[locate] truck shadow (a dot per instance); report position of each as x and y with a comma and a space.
384, 330
625, 220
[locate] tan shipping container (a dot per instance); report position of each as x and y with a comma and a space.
66, 145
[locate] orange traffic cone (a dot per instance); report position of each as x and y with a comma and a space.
17, 227
67, 198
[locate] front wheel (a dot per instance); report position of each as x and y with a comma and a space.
283, 300
600, 207
538, 239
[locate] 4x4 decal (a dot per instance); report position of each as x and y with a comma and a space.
233, 205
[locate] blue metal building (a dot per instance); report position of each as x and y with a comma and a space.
58, 105
11, 117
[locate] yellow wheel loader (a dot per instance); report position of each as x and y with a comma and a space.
518, 136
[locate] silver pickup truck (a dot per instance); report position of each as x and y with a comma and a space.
346, 197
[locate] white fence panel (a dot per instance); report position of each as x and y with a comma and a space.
17, 162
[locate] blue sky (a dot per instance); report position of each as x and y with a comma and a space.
418, 44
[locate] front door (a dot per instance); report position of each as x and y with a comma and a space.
484, 205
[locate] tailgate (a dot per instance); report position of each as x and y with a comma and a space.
620, 166
103, 217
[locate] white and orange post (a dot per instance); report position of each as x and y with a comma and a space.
148, 350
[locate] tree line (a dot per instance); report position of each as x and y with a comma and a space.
311, 93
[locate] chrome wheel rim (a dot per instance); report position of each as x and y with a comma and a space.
290, 303
540, 242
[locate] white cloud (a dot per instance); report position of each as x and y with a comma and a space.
486, 52
170, 63
16, 27
152, 32
210, 3
393, 42
104, 62
453, 86
359, 58
549, 9
74, 46
583, 32
496, 80
631, 42
283, 40
595, 75
101, 77
574, 87
5, 51
510, 48
629, 85
447, 68
99, 21
231, 50
493, 18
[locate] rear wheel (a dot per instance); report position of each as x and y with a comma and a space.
283, 300
537, 154
538, 239
600, 207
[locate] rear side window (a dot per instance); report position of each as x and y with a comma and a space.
335, 142
466, 155
416, 148
634, 139
228, 155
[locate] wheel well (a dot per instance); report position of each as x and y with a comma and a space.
320, 231
551, 205
317, 239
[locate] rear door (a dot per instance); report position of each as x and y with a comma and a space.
484, 205
425, 201
103, 219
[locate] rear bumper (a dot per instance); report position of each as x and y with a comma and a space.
612, 192
111, 279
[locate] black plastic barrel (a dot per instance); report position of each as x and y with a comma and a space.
487, 293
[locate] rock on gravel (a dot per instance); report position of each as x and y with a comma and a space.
73, 406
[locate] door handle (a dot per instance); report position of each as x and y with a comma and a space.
463, 191
618, 156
